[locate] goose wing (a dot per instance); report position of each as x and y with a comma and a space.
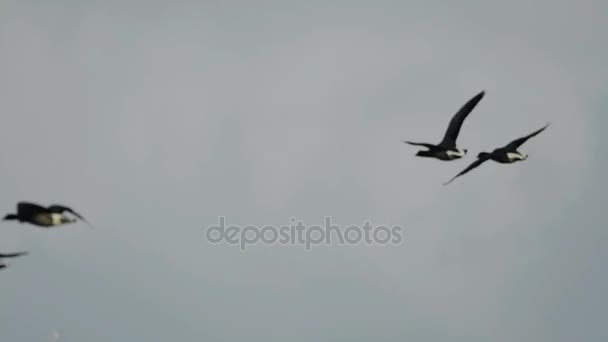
429, 146
12, 255
514, 145
473, 165
451, 134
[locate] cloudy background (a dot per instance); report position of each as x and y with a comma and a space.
154, 118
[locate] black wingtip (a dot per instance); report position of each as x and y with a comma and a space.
545, 126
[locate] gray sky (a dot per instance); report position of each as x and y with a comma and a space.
155, 119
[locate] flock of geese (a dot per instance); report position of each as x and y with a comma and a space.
55, 215
447, 149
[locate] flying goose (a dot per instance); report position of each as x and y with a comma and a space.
11, 255
505, 155
447, 149
41, 216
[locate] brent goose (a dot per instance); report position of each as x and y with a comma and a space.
505, 155
41, 216
11, 255
447, 149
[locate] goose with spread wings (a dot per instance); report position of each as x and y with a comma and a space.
10, 255
505, 155
53, 215
447, 149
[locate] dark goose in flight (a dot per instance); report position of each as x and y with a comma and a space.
11, 255
35, 214
505, 155
447, 149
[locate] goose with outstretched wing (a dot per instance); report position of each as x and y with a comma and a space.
505, 155
447, 149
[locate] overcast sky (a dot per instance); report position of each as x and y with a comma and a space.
155, 118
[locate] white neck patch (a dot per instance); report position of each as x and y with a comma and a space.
56, 218
513, 156
459, 153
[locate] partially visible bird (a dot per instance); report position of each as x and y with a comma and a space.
447, 149
505, 155
10, 255
35, 214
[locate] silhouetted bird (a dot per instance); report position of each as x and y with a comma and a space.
11, 255
447, 149
38, 215
505, 155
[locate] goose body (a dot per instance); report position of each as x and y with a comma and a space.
447, 150
38, 215
507, 154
